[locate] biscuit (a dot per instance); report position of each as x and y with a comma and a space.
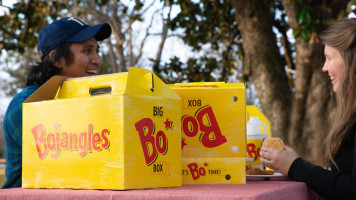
274, 142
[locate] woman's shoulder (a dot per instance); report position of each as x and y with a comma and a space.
20, 97
14, 110
25, 93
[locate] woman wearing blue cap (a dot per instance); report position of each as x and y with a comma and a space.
67, 47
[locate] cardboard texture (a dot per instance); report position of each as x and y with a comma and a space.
213, 132
118, 131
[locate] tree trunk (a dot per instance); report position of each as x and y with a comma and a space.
317, 116
264, 64
112, 55
309, 116
120, 38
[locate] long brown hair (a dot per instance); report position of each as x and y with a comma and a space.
342, 36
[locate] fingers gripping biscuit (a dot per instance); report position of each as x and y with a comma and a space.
274, 142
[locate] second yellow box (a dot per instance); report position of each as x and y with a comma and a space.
213, 132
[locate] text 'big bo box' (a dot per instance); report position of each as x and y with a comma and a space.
119, 131
213, 132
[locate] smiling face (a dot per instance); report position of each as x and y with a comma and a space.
334, 65
86, 59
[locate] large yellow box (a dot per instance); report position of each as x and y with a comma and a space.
119, 131
213, 132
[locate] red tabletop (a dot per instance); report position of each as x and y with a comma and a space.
256, 190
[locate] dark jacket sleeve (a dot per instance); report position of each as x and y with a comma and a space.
329, 184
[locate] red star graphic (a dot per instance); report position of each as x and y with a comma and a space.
168, 124
206, 164
183, 143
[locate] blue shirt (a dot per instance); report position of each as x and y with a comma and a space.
13, 138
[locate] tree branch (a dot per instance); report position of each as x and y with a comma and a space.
286, 45
28, 20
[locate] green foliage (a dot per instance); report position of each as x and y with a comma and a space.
101, 2
351, 6
209, 27
307, 19
191, 71
205, 22
21, 24
313, 15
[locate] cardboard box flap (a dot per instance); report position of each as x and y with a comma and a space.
135, 81
145, 82
108, 84
48, 90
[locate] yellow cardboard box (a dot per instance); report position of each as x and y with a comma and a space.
213, 132
119, 131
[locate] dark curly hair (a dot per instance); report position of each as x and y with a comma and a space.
44, 70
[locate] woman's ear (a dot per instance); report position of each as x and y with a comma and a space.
56, 63
51, 54
40, 54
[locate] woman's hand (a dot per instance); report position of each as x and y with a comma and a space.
279, 160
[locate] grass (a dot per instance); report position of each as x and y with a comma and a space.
2, 179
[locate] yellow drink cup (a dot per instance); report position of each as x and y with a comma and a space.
254, 140
253, 147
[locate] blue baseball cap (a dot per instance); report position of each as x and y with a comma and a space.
69, 29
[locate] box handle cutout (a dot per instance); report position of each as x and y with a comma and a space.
149, 81
102, 90
153, 83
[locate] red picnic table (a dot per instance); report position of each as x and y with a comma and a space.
257, 190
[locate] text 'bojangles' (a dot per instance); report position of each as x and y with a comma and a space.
54, 142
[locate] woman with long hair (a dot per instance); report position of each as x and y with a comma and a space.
337, 180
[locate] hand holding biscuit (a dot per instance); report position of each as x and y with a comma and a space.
277, 156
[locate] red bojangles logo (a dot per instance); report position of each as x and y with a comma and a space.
253, 150
210, 133
152, 142
86, 141
197, 171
